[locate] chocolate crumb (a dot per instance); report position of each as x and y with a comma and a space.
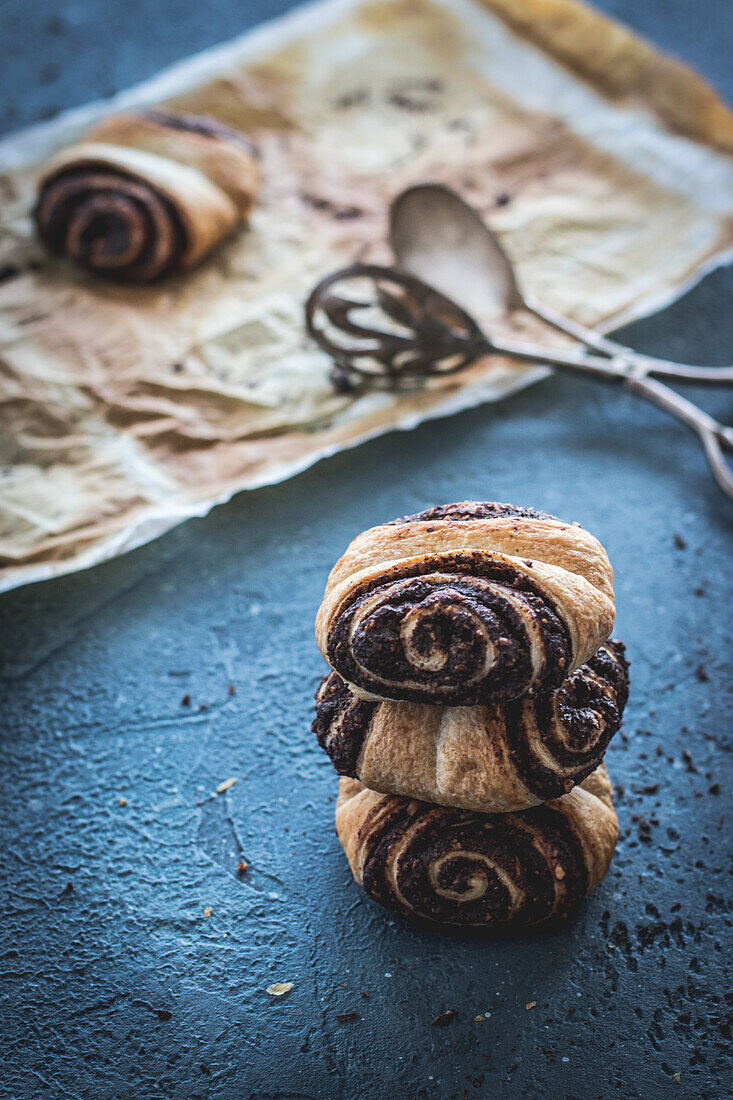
689, 762
714, 788
163, 1014
352, 99
679, 542
186, 700
445, 1018
68, 889
8, 271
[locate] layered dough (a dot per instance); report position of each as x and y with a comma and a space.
484, 870
487, 758
146, 194
467, 603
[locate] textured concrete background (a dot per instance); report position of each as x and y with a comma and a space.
104, 903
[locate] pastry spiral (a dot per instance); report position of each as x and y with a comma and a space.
487, 758
483, 870
466, 603
146, 194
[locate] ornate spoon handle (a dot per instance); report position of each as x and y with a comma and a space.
649, 364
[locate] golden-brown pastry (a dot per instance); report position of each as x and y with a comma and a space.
466, 603
486, 870
508, 756
146, 194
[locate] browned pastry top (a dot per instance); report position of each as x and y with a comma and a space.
465, 603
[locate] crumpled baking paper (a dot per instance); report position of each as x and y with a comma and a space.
605, 167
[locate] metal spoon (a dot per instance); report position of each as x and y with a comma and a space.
385, 326
439, 238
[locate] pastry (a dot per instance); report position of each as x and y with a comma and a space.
507, 756
484, 870
146, 194
466, 603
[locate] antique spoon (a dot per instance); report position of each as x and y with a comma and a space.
437, 236
387, 327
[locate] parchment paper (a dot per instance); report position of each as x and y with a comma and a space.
606, 168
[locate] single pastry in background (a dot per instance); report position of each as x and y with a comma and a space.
466, 603
146, 194
493, 759
463, 868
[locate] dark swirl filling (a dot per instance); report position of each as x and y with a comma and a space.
472, 510
457, 636
202, 126
341, 723
573, 724
111, 223
464, 868
555, 739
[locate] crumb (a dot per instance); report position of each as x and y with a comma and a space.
208, 912
679, 542
346, 1017
701, 673
68, 889
122, 802
242, 867
226, 785
279, 989
689, 762
503, 199
163, 1014
532, 1004
232, 689
186, 700
445, 1018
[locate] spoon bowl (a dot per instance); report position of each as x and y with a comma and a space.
442, 240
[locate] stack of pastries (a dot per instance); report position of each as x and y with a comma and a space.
472, 694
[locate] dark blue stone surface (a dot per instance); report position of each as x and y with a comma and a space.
104, 904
